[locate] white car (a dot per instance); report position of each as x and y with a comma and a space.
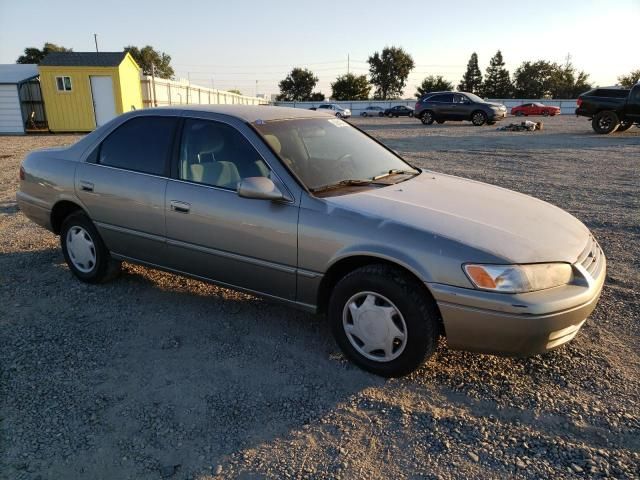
337, 109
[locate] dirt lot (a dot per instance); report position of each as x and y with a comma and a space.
157, 376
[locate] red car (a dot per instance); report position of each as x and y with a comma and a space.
534, 109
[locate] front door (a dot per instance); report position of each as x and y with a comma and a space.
214, 233
104, 104
122, 186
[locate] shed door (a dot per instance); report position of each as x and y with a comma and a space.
104, 104
10, 115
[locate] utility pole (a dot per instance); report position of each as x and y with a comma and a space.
348, 64
95, 39
188, 85
153, 84
256, 94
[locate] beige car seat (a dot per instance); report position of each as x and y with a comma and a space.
219, 174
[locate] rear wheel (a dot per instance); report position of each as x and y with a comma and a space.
411, 114
85, 252
383, 320
478, 118
364, 114
519, 113
605, 122
545, 113
624, 126
427, 118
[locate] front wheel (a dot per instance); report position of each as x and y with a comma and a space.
545, 113
338, 115
519, 113
383, 320
411, 114
427, 118
85, 252
479, 118
364, 114
605, 122
624, 126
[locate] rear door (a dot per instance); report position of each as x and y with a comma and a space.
214, 233
459, 107
122, 186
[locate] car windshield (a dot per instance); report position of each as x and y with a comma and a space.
474, 98
325, 152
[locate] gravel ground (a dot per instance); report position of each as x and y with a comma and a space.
157, 376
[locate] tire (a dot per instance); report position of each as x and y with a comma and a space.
545, 113
478, 118
338, 115
519, 113
411, 114
89, 260
376, 287
605, 122
381, 114
439, 122
364, 114
427, 117
624, 126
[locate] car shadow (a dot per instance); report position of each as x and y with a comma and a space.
159, 370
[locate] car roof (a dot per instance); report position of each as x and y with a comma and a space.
248, 113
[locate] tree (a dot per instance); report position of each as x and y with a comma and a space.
630, 80
235, 90
297, 86
389, 72
350, 87
35, 55
317, 97
472, 79
497, 82
532, 79
433, 84
566, 82
148, 58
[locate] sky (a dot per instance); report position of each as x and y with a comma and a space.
252, 45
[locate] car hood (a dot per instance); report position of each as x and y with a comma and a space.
509, 225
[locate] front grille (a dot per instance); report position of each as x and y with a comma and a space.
591, 257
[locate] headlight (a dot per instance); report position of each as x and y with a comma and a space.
519, 278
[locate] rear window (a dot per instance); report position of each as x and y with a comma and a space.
142, 144
609, 93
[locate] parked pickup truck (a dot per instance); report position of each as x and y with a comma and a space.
610, 109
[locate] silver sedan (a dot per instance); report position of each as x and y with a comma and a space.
310, 211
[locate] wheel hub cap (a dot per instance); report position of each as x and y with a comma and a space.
374, 326
81, 249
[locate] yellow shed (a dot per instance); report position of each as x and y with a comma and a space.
84, 90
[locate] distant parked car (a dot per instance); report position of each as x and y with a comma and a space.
336, 109
399, 111
535, 109
373, 112
441, 106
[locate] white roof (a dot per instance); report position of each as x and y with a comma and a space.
17, 73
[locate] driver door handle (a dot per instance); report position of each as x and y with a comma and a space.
180, 207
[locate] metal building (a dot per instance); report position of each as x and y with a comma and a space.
84, 90
15, 83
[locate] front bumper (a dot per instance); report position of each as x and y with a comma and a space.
518, 324
497, 115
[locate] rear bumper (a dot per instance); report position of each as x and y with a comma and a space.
34, 210
521, 325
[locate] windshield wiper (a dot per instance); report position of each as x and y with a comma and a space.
394, 171
340, 184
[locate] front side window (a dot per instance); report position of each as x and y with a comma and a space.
323, 152
216, 154
63, 84
142, 144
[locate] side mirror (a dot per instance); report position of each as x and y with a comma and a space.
260, 188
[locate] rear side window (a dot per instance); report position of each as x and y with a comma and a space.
444, 98
142, 144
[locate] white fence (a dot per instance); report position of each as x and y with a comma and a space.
357, 107
158, 92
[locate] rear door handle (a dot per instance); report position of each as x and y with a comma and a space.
180, 207
86, 186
